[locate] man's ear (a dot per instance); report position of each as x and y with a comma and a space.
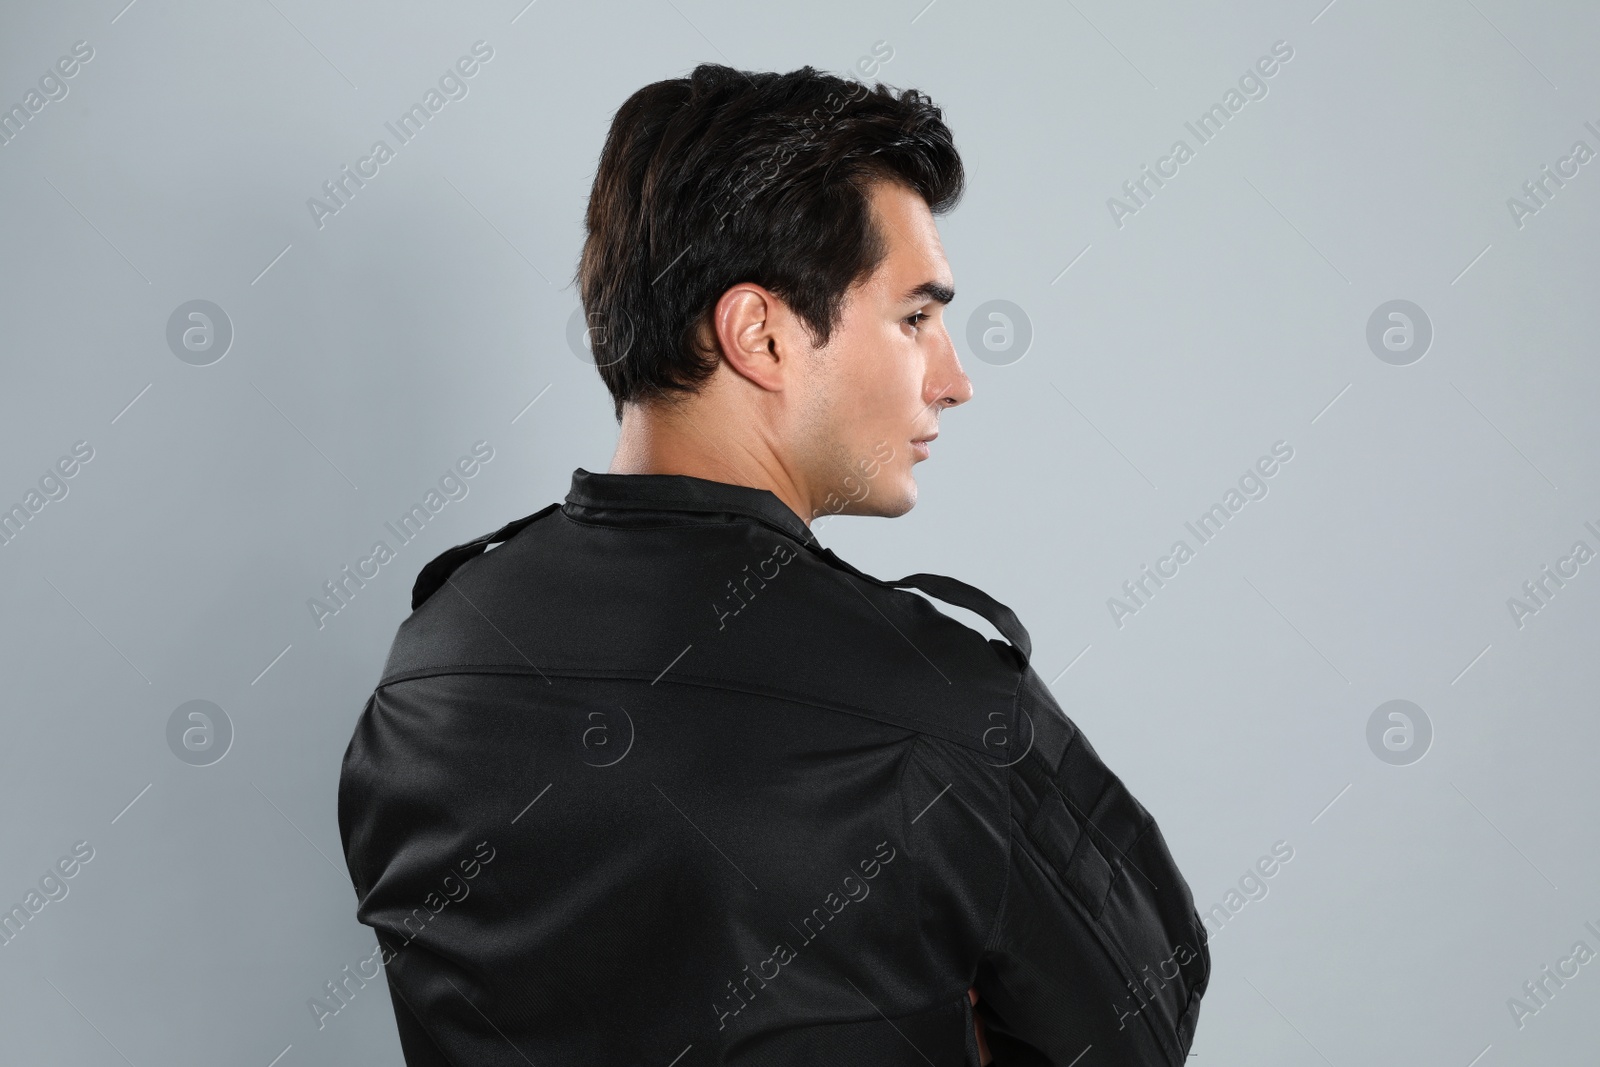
752, 329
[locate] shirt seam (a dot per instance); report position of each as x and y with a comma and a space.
1107, 944
905, 722
1005, 889
905, 825
899, 788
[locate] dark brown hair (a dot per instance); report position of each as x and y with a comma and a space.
727, 176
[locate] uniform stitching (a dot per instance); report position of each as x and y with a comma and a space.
1106, 943
909, 723
899, 785
916, 868
1007, 785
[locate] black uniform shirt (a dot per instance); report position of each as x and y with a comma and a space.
661, 781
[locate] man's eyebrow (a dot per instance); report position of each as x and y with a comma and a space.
935, 292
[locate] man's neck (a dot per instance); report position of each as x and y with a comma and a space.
682, 440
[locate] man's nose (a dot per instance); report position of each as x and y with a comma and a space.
948, 383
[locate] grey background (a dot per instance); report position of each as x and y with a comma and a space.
1229, 313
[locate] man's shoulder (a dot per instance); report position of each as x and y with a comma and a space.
730, 605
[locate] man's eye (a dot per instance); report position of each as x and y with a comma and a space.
915, 319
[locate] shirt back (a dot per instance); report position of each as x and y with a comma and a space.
659, 779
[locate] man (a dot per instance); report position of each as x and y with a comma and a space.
661, 780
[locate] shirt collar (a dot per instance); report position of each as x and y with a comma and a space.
683, 492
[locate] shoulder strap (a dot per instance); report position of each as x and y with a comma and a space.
437, 572
962, 595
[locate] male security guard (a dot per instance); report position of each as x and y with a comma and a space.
652, 777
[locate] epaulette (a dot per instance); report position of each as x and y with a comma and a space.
959, 593
439, 570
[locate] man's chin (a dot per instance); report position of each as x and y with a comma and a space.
887, 500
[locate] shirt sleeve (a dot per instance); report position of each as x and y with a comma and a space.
415, 1044
1097, 945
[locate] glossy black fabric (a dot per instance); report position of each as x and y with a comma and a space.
660, 780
